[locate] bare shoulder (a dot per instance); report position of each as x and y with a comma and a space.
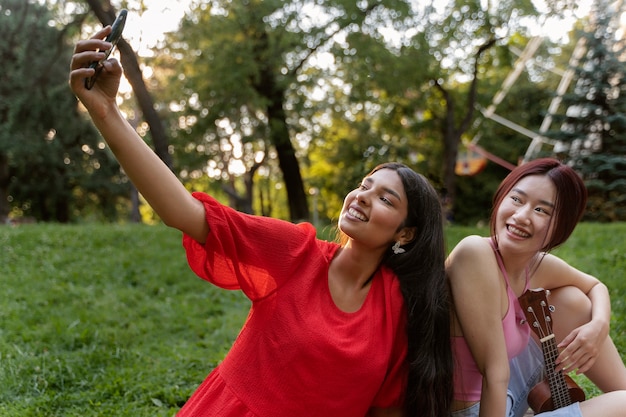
471, 257
473, 274
468, 248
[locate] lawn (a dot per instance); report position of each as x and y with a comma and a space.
108, 320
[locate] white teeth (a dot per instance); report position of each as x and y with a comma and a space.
517, 232
358, 215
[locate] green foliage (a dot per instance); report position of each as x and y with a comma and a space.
391, 105
593, 127
475, 194
599, 250
525, 106
101, 320
355, 81
57, 167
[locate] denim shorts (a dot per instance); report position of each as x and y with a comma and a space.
526, 372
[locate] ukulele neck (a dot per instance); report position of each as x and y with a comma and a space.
558, 386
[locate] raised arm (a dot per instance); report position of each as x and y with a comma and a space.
154, 180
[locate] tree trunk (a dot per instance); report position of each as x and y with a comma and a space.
106, 15
268, 87
451, 140
289, 166
451, 133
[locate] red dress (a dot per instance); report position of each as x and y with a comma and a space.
297, 355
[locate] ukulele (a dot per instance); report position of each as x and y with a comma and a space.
557, 389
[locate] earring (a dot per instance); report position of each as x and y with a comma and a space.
397, 249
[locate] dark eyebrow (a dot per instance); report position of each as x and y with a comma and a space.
387, 189
544, 202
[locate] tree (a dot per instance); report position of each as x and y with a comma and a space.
472, 40
105, 13
52, 165
592, 131
239, 84
244, 67
406, 87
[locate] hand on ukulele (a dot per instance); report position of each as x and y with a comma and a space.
580, 348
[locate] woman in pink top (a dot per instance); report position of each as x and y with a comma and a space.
536, 208
344, 329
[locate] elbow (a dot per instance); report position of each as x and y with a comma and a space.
496, 377
189, 219
197, 231
174, 223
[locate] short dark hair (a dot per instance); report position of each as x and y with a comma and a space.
571, 196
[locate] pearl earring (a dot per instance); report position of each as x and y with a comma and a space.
397, 249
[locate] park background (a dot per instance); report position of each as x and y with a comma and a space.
278, 108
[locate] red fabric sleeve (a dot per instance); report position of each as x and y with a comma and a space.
247, 252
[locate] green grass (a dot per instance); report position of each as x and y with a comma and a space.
108, 320
105, 321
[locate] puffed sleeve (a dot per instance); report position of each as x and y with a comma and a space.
251, 253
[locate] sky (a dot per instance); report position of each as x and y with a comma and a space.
145, 30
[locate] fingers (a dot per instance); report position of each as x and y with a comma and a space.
87, 52
81, 62
95, 43
89, 57
90, 50
581, 365
579, 354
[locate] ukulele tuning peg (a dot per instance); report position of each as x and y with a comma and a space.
552, 309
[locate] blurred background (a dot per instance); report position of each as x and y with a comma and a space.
280, 107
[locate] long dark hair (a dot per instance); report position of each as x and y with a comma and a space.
571, 196
421, 273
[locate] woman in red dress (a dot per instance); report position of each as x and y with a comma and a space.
357, 328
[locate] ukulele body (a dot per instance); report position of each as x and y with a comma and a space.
540, 398
557, 389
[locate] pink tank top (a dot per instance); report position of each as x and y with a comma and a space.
467, 378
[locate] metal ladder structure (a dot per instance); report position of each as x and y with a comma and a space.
537, 138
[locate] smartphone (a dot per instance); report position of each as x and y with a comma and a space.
116, 33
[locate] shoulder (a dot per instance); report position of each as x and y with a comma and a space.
470, 248
472, 260
327, 248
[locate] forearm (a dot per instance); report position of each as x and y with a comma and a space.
600, 305
493, 399
154, 180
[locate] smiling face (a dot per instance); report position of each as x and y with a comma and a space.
373, 213
524, 218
